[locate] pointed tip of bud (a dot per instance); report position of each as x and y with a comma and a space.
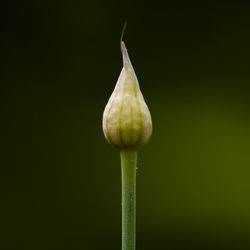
126, 61
123, 45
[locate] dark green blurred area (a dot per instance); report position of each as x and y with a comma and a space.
60, 180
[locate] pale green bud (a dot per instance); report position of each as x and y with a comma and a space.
126, 119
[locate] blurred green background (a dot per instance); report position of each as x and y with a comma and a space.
60, 180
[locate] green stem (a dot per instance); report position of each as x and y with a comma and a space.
128, 162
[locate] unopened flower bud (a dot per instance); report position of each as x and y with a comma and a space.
126, 120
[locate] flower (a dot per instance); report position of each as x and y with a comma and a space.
126, 119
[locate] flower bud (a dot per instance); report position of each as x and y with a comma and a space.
126, 120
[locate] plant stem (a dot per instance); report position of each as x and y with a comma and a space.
128, 162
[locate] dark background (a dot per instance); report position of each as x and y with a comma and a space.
60, 180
